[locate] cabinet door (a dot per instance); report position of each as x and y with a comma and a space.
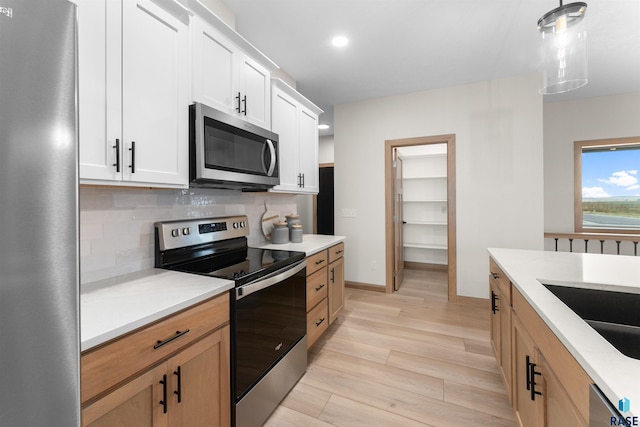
284, 123
505, 342
135, 404
214, 71
200, 383
336, 288
308, 140
529, 412
99, 83
154, 94
559, 409
255, 88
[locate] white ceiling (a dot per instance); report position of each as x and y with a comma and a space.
401, 46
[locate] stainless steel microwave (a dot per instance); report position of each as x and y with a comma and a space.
228, 152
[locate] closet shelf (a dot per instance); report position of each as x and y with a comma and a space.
426, 222
425, 246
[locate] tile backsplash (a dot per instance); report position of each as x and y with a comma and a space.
116, 224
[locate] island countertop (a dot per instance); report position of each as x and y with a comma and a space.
614, 373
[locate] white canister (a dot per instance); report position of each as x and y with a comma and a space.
292, 220
280, 233
296, 233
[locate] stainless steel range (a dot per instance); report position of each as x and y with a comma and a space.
268, 312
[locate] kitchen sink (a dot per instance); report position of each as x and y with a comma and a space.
614, 315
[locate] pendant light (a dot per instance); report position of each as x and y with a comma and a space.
564, 48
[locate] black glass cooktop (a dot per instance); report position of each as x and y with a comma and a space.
243, 265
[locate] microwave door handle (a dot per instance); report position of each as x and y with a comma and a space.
272, 151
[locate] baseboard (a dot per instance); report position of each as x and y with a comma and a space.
425, 266
471, 300
365, 286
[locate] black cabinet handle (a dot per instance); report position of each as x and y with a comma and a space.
339, 252
302, 180
133, 157
163, 402
244, 102
319, 322
495, 275
178, 392
533, 381
238, 99
319, 262
531, 378
528, 373
117, 163
494, 306
178, 334
319, 287
333, 275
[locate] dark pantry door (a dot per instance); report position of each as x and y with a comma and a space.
325, 202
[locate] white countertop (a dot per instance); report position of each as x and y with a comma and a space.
617, 375
112, 307
311, 244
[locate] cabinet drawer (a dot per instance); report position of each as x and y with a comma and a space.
316, 288
317, 322
317, 261
500, 279
336, 252
109, 365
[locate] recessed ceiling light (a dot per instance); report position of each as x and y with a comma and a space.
323, 126
340, 41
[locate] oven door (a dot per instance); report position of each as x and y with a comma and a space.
229, 150
268, 319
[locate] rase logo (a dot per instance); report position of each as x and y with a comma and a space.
6, 11
624, 405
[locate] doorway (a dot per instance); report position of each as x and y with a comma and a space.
324, 201
430, 204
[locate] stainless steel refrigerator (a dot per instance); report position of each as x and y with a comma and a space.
39, 292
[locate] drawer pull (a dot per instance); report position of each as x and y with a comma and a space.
319, 322
339, 252
319, 262
495, 275
167, 341
319, 287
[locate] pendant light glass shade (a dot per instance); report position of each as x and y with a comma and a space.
564, 48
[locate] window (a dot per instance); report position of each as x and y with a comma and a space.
607, 185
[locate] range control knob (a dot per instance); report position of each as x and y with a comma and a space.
186, 231
175, 232
236, 225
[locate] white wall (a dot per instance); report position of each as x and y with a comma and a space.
325, 149
498, 128
565, 122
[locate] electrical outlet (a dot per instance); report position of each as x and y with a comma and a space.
374, 265
348, 213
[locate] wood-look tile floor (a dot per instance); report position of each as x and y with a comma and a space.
407, 359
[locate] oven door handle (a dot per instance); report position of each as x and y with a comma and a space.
247, 290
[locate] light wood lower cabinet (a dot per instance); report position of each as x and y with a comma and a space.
501, 324
325, 290
188, 386
548, 387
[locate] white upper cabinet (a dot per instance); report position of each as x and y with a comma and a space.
228, 73
133, 92
295, 120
